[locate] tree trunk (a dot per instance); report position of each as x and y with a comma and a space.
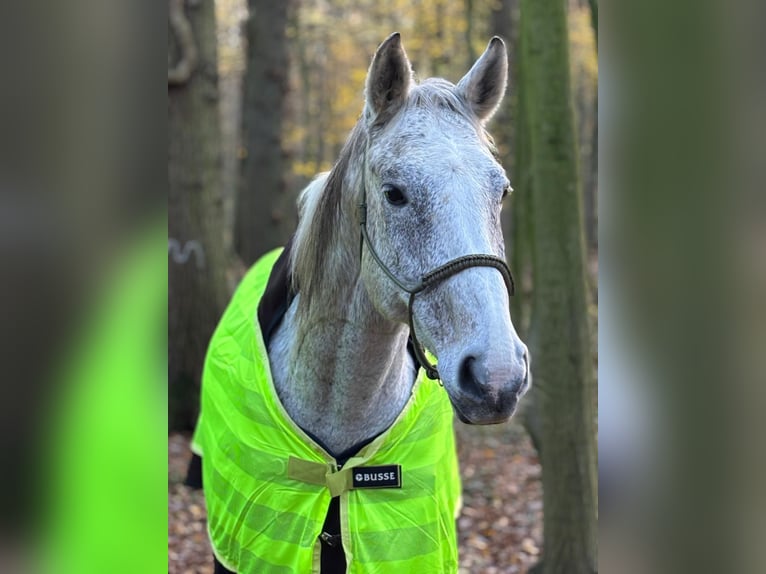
505, 127
196, 254
265, 213
591, 203
439, 62
469, 51
522, 214
591, 184
503, 23
305, 88
594, 18
561, 355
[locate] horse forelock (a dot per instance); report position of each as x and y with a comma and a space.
434, 94
437, 98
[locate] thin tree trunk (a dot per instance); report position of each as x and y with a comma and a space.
594, 18
469, 16
322, 119
522, 213
592, 189
561, 355
306, 89
196, 254
591, 184
439, 63
505, 128
264, 212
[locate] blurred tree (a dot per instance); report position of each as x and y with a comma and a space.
561, 345
584, 74
594, 17
591, 203
504, 22
265, 210
522, 237
470, 53
196, 254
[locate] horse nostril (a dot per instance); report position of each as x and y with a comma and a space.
467, 378
525, 381
524, 355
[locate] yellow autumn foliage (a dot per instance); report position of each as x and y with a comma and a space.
332, 42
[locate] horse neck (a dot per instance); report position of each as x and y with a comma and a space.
341, 370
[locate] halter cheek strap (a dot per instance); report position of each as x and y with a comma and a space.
431, 278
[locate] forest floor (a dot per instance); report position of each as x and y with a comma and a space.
499, 529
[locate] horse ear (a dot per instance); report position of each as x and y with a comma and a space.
389, 77
483, 87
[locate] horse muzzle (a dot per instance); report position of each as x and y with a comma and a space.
483, 395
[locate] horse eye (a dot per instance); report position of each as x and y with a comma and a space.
394, 195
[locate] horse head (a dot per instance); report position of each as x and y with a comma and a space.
431, 194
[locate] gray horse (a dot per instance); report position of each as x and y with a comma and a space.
434, 191
398, 249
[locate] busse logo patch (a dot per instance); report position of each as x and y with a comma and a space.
389, 476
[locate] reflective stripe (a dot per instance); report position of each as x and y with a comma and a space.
268, 485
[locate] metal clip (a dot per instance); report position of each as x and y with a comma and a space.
331, 540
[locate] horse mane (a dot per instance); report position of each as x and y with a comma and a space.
316, 260
320, 217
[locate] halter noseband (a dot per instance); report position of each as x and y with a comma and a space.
434, 276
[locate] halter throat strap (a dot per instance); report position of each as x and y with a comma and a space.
430, 279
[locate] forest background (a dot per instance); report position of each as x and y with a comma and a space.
261, 98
